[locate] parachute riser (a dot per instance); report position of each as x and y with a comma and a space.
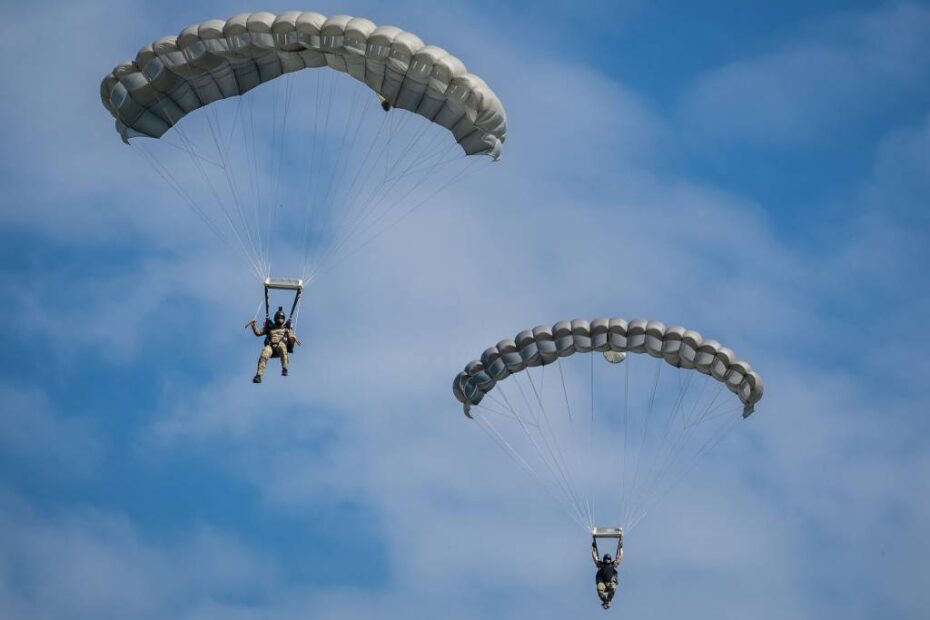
283, 284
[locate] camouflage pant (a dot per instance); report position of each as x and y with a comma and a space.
267, 352
606, 591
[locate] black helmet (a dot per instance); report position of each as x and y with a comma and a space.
279, 315
607, 557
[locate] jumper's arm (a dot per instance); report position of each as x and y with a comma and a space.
607, 532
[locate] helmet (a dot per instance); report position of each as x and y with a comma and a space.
607, 557
279, 315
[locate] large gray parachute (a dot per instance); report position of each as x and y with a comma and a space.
297, 170
219, 59
680, 347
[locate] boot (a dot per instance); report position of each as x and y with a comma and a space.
284, 372
257, 379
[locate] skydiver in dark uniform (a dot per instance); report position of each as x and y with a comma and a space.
606, 577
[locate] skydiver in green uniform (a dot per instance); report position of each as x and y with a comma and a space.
278, 335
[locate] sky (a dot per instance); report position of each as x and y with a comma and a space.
757, 170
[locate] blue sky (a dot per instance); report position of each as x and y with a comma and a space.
759, 170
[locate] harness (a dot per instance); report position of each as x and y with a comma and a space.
275, 339
296, 285
287, 336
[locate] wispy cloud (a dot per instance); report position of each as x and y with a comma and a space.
587, 215
93, 564
816, 85
36, 436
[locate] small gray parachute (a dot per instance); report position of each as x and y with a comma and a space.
680, 347
607, 440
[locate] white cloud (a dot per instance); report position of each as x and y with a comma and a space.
901, 177
36, 436
92, 564
403, 448
813, 87
582, 220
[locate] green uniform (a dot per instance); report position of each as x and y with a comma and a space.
275, 341
606, 590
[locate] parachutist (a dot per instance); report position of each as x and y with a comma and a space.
279, 341
385, 105
606, 578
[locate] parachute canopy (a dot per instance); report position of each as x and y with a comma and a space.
219, 59
609, 434
680, 347
311, 164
